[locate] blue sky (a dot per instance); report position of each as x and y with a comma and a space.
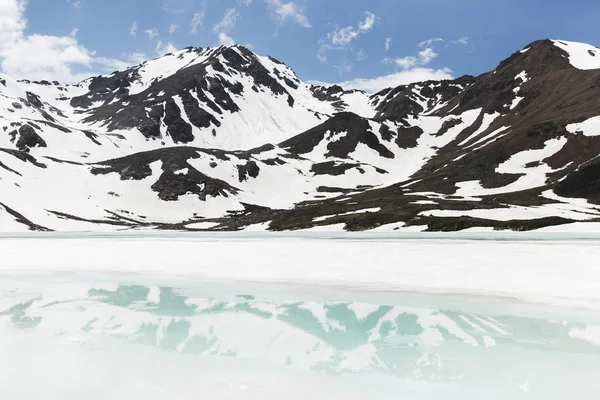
322, 40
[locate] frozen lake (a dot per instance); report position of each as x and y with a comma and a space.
296, 316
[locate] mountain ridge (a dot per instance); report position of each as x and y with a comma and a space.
224, 139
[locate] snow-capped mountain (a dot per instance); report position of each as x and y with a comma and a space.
224, 139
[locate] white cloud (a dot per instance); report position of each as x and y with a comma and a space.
368, 23
345, 67
344, 36
288, 11
197, 21
396, 79
74, 3
133, 29
323, 47
38, 57
152, 33
426, 55
361, 55
245, 2
136, 58
173, 28
164, 48
423, 58
225, 39
413, 69
388, 42
429, 42
41, 56
74, 32
35, 56
341, 38
405, 62
227, 23
225, 26
12, 22
168, 9
114, 64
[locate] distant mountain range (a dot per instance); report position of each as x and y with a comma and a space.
224, 139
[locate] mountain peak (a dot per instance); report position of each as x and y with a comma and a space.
554, 53
164, 145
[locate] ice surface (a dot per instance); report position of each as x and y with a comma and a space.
296, 316
371, 262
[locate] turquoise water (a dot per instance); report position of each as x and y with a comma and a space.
127, 336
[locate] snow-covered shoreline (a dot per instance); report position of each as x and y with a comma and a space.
558, 270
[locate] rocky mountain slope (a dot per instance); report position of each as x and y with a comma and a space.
224, 139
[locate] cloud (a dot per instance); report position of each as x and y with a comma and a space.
388, 42
35, 56
323, 47
429, 42
341, 38
227, 23
173, 28
168, 9
225, 26
377, 84
463, 40
225, 40
283, 12
114, 64
345, 67
133, 29
423, 58
245, 2
361, 55
39, 57
197, 21
322, 52
74, 3
164, 48
74, 32
369, 22
344, 36
136, 58
152, 33
412, 69
405, 62
426, 55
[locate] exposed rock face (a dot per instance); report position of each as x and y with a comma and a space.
355, 130
165, 145
26, 138
206, 90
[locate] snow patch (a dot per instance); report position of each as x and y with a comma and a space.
581, 55
365, 211
589, 127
